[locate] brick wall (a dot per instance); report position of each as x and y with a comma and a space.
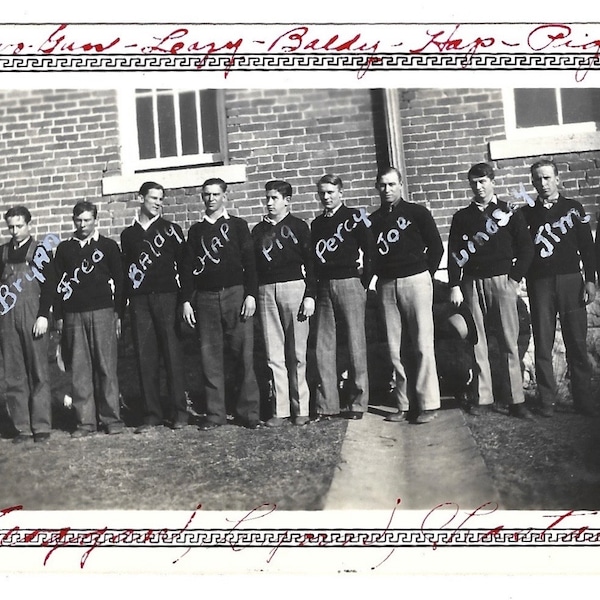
447, 130
54, 147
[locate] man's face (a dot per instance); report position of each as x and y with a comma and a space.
330, 195
545, 181
483, 188
85, 223
214, 199
18, 229
151, 203
390, 188
277, 205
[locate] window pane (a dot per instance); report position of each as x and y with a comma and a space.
189, 123
580, 105
209, 120
145, 127
166, 125
535, 108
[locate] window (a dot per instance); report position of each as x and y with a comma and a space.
176, 128
177, 135
549, 121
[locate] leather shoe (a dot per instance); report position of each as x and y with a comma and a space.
22, 438
254, 425
208, 426
397, 417
546, 411
300, 421
275, 422
41, 437
178, 425
353, 415
115, 429
426, 416
520, 411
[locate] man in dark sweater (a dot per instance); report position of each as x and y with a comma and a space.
489, 251
286, 300
219, 291
152, 251
341, 241
26, 295
90, 281
563, 243
409, 252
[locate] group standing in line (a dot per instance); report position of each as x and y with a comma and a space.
291, 275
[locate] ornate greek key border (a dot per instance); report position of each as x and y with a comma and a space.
296, 538
299, 62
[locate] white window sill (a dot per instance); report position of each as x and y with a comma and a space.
180, 178
538, 146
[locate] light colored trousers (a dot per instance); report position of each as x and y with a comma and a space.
407, 307
285, 343
495, 299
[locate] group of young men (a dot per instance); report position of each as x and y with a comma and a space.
217, 279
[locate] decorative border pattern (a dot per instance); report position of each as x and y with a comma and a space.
297, 538
299, 62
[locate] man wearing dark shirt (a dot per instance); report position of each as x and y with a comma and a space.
90, 280
341, 240
489, 251
26, 296
152, 251
409, 252
286, 300
563, 243
219, 299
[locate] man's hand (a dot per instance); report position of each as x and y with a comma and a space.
40, 327
59, 326
188, 314
589, 292
456, 295
248, 308
307, 309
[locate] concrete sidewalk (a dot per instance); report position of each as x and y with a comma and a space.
424, 465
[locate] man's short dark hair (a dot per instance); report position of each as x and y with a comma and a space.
388, 170
215, 181
545, 162
480, 170
331, 180
149, 185
85, 206
18, 211
282, 187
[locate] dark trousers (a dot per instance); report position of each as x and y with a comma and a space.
562, 295
25, 368
91, 343
227, 353
153, 324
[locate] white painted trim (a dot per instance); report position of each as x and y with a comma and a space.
180, 178
538, 146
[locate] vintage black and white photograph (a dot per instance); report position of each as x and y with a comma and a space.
370, 296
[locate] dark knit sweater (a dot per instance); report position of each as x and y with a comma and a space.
152, 258
488, 243
84, 275
283, 252
562, 237
407, 241
337, 258
48, 287
220, 255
